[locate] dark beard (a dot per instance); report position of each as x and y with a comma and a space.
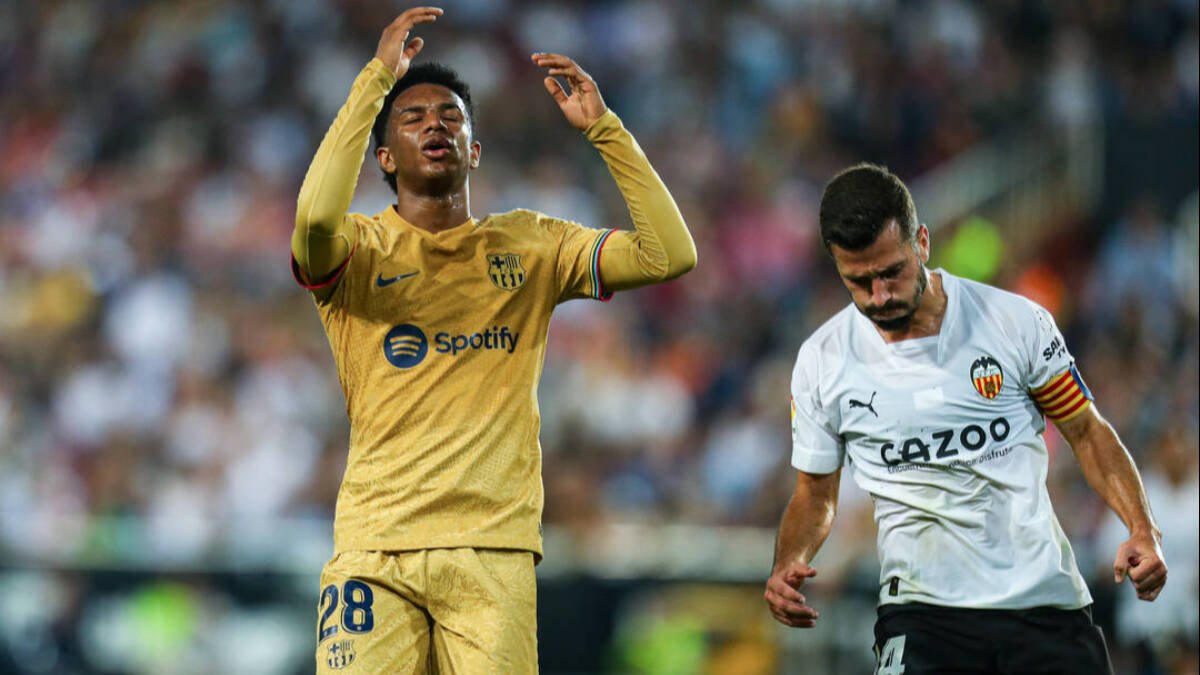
901, 322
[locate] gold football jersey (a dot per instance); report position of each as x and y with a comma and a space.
439, 341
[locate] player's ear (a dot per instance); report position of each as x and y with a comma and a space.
386, 162
476, 150
923, 242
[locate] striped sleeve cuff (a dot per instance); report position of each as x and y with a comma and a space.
298, 274
1064, 396
598, 290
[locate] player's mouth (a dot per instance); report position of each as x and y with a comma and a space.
889, 310
437, 148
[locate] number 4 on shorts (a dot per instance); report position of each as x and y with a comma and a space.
891, 658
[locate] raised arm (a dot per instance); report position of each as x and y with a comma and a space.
805, 525
324, 235
1110, 471
660, 246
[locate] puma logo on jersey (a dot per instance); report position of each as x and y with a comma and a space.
381, 282
868, 405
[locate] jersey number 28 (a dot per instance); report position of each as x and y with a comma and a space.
357, 616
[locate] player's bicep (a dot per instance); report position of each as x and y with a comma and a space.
624, 265
331, 283
1044, 348
818, 489
578, 264
816, 446
1064, 397
321, 251
1079, 428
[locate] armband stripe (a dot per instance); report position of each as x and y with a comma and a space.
1063, 397
1053, 386
598, 290
298, 274
1073, 411
1052, 401
1058, 405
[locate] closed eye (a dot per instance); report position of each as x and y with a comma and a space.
889, 273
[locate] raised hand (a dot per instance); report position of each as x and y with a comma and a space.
583, 106
1141, 559
395, 49
788, 605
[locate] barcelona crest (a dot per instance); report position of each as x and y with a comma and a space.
505, 270
340, 654
987, 377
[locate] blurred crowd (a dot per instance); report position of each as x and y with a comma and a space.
157, 360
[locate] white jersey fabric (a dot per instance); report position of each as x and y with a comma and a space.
943, 433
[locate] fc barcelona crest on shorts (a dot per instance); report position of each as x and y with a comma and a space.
987, 377
505, 270
339, 654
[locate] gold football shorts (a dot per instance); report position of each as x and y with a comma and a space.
459, 610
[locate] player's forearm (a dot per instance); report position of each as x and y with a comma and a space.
1110, 471
324, 236
660, 247
806, 521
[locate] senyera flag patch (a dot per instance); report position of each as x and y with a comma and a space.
1064, 396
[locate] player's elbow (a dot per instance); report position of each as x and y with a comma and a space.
679, 260
680, 265
666, 268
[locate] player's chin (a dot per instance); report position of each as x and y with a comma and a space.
441, 167
440, 178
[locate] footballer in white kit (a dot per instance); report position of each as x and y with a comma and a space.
934, 391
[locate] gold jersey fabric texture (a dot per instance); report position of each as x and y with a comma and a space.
439, 341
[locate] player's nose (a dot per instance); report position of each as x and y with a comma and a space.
881, 292
434, 121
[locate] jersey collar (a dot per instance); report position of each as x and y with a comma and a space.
392, 219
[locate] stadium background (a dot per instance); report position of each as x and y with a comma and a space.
171, 431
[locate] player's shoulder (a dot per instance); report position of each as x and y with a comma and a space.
1007, 309
529, 227
517, 219
826, 346
372, 230
832, 335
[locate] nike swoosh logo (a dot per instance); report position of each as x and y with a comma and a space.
381, 282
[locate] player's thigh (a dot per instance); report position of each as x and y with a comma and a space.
484, 608
362, 621
1054, 641
922, 640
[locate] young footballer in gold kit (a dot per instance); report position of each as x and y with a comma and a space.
437, 322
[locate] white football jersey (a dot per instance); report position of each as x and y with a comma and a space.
945, 433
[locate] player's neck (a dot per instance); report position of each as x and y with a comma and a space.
927, 320
434, 213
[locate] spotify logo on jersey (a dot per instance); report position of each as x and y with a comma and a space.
405, 346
